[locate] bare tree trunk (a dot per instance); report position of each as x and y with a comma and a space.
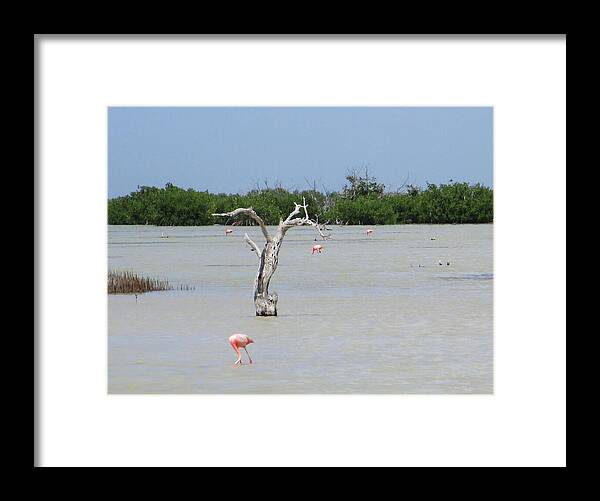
265, 302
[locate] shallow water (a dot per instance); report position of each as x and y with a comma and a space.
369, 315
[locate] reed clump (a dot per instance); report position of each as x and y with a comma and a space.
127, 282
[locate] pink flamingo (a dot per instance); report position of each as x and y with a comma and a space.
369, 232
228, 232
317, 248
238, 341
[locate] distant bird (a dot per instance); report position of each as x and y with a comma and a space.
432, 238
447, 263
440, 263
317, 248
228, 232
238, 341
369, 232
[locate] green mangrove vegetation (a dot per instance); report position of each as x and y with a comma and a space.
361, 201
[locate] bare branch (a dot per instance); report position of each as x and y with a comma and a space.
290, 222
251, 214
319, 229
304, 206
252, 245
404, 183
292, 214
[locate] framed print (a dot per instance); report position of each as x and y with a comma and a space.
300, 251
384, 280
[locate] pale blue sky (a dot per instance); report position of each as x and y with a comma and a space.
231, 149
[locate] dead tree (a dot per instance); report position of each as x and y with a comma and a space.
264, 301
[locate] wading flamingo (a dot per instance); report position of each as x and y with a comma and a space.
238, 341
228, 232
317, 248
369, 232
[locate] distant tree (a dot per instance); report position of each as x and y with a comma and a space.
362, 201
361, 186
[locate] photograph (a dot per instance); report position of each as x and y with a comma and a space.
300, 250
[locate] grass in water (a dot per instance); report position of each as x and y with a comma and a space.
127, 282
